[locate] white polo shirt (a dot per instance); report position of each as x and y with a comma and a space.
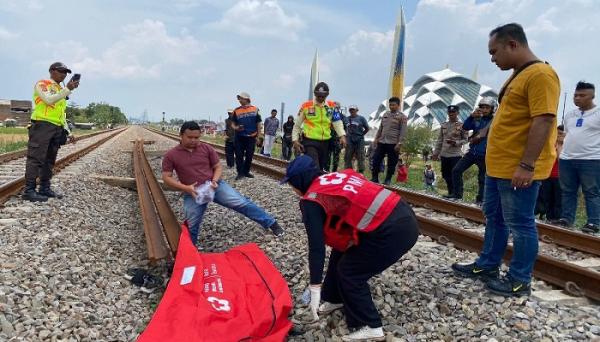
582, 142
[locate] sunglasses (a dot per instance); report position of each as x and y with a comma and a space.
62, 71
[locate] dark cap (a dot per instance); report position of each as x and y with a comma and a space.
298, 166
59, 66
321, 89
453, 108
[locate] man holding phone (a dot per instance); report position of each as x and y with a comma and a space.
48, 131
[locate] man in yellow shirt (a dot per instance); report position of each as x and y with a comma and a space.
520, 153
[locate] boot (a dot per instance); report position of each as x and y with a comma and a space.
48, 192
29, 194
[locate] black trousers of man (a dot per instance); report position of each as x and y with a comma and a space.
463, 165
42, 149
348, 272
230, 153
286, 148
381, 151
448, 164
318, 150
549, 202
244, 152
355, 148
333, 159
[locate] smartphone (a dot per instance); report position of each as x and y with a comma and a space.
76, 77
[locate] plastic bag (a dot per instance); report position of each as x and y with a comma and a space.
402, 175
205, 193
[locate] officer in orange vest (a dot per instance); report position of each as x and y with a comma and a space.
314, 123
368, 227
48, 131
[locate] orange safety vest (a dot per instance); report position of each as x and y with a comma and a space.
352, 205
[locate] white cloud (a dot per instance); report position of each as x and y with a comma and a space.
6, 34
557, 32
18, 6
260, 19
143, 50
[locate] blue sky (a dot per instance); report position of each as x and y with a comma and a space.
190, 58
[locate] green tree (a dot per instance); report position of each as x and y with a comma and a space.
417, 138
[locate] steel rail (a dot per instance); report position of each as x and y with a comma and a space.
576, 280
155, 242
167, 217
9, 156
14, 186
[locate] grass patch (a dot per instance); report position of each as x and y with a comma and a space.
12, 131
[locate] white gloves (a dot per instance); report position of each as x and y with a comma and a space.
315, 300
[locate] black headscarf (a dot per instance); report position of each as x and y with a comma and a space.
303, 181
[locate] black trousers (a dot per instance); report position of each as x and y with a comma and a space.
244, 152
230, 153
448, 164
381, 151
463, 164
348, 272
549, 199
42, 149
318, 150
286, 148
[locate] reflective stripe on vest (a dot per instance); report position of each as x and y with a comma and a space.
373, 208
350, 196
54, 113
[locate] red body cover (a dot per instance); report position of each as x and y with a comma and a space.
232, 296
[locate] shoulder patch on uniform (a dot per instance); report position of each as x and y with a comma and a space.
312, 195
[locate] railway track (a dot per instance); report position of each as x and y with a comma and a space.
547, 233
576, 280
12, 168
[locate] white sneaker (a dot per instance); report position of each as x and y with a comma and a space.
327, 308
366, 333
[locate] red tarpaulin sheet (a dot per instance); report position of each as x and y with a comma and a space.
232, 296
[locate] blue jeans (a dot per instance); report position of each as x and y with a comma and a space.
509, 210
572, 174
226, 196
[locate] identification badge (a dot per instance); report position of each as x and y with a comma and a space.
311, 112
579, 122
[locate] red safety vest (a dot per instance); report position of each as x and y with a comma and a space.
352, 204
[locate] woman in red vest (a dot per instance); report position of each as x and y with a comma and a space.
369, 229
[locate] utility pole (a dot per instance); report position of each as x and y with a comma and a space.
163, 122
281, 116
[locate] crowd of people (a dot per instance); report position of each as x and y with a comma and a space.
528, 166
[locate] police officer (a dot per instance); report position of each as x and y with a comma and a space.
48, 131
369, 229
448, 147
314, 122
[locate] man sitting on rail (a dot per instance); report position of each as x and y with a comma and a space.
196, 163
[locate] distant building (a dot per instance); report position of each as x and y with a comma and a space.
18, 110
425, 102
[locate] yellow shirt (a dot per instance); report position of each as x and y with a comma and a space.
535, 91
